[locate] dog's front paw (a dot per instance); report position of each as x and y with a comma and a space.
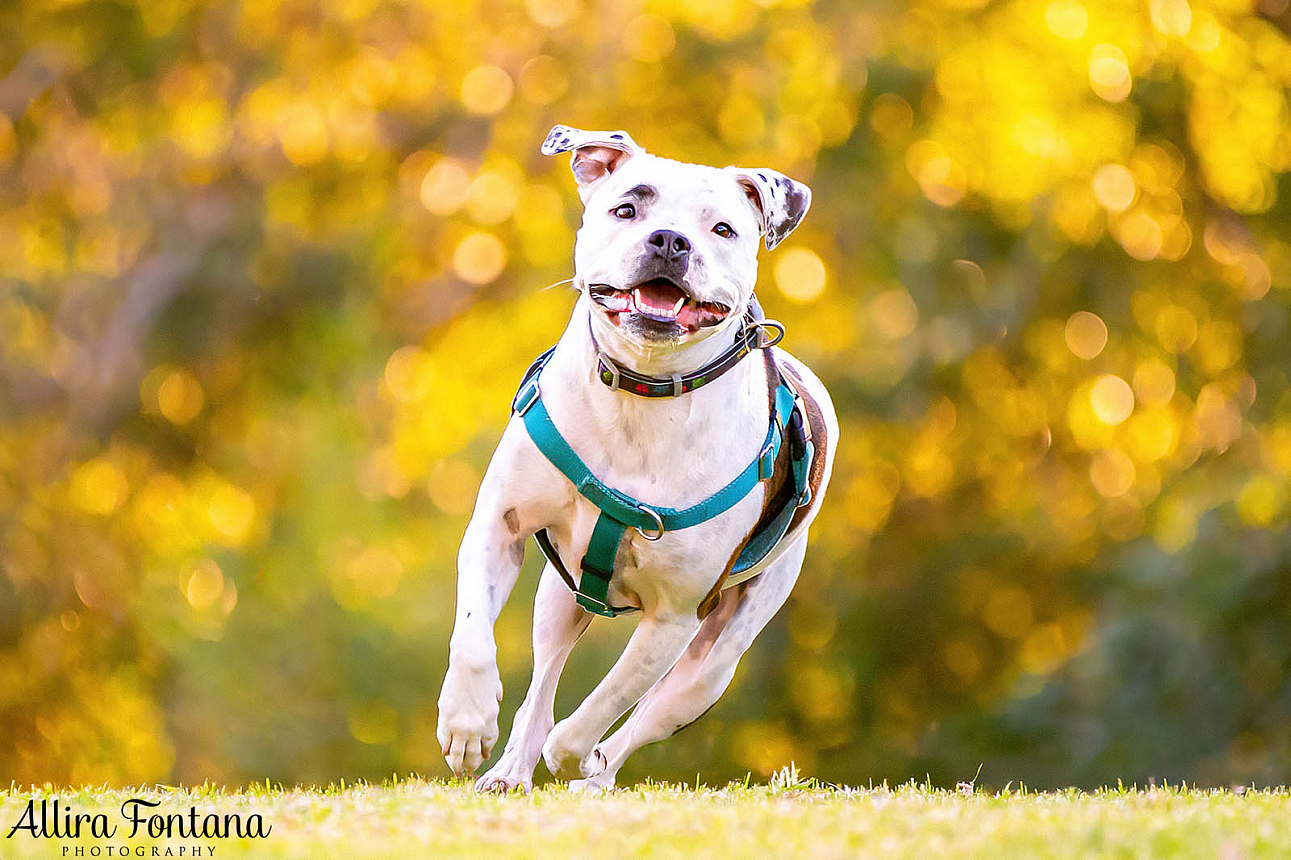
503, 783
568, 758
468, 715
602, 783
514, 770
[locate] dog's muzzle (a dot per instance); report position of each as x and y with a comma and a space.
658, 293
658, 299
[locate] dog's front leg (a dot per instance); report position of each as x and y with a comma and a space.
557, 623
488, 564
656, 644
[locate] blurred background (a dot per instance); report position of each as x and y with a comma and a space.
270, 272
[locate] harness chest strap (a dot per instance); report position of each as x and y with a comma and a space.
620, 511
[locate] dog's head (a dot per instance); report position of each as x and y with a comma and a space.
668, 250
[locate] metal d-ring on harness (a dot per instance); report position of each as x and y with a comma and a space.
619, 511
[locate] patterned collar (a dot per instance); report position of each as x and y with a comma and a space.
752, 337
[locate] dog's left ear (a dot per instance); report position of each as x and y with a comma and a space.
597, 154
780, 201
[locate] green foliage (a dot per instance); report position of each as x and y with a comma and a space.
270, 271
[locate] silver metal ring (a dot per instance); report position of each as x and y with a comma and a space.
658, 523
773, 324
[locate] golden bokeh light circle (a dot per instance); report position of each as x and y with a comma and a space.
479, 258
1085, 334
800, 275
1112, 399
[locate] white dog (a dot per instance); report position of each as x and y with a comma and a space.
667, 458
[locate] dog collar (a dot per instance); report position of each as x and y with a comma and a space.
619, 378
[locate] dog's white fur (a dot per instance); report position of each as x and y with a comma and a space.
671, 452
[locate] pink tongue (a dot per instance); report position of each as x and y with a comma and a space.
649, 300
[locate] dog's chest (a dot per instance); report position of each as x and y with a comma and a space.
666, 455
681, 566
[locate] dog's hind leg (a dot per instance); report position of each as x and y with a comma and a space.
558, 622
658, 641
702, 674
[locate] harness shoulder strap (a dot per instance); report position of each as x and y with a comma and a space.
801, 451
595, 583
529, 375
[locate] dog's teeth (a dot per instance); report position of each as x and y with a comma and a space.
643, 305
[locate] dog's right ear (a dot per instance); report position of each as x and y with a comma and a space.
597, 154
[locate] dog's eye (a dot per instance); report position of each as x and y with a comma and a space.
627, 210
724, 230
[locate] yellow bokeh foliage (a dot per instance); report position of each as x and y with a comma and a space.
270, 273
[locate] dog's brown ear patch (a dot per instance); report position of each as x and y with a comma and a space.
597, 154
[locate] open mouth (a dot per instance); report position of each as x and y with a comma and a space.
658, 300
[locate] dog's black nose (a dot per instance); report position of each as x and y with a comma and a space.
670, 245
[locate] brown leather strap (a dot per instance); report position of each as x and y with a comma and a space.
778, 488
820, 439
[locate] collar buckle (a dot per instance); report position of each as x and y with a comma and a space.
526, 397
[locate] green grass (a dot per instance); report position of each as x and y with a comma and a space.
787, 819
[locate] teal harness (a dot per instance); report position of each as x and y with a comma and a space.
619, 511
